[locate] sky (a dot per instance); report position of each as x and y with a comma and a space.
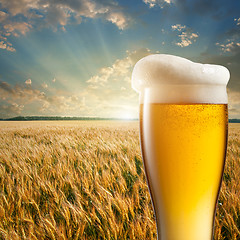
75, 57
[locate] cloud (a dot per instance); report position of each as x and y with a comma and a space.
110, 89
9, 28
237, 20
231, 60
231, 39
118, 18
6, 87
103, 77
215, 9
16, 7
28, 82
230, 46
16, 28
120, 71
178, 27
10, 110
232, 34
16, 99
17, 17
186, 36
7, 46
4, 44
111, 86
234, 97
44, 85
18, 92
160, 3
57, 13
60, 104
234, 103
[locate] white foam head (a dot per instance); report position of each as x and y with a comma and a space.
172, 79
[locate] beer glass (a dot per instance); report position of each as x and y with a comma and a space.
183, 132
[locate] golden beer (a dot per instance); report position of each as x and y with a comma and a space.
183, 149
183, 130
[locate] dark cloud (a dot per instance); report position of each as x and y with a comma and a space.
59, 12
21, 93
6, 87
10, 110
200, 7
232, 62
233, 32
15, 99
217, 9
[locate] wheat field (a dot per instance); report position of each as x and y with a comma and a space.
85, 180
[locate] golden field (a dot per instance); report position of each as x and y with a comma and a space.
85, 180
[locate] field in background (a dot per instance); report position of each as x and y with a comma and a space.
85, 180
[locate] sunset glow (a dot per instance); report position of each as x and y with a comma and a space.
75, 58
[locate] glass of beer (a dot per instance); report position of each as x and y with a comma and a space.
183, 131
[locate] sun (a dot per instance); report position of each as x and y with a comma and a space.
126, 115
